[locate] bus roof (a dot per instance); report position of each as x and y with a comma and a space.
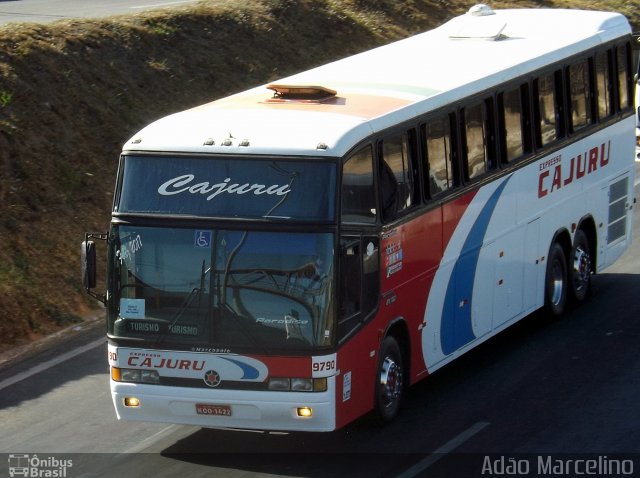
327, 110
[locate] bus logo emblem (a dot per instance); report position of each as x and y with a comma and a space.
212, 378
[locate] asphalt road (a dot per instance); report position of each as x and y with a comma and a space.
45, 11
542, 390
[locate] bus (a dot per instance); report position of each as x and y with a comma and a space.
297, 255
636, 55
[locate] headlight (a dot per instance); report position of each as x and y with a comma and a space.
280, 384
134, 375
285, 384
301, 385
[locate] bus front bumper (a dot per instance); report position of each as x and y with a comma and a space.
255, 410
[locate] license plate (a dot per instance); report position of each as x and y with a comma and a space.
213, 410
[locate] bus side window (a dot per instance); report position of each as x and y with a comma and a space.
579, 95
397, 184
478, 140
358, 195
604, 87
546, 110
516, 139
623, 61
439, 161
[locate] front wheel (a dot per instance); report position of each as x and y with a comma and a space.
389, 381
556, 281
580, 267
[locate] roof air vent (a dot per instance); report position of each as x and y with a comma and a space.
481, 10
479, 23
301, 92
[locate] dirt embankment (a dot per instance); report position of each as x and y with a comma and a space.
72, 92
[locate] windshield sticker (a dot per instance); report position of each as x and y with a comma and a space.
132, 308
130, 248
203, 239
371, 249
180, 184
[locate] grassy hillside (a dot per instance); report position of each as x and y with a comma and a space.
72, 92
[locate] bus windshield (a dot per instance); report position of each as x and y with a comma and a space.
221, 290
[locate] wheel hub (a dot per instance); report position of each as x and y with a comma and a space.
390, 381
581, 268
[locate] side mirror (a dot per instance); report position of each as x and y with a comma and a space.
88, 259
88, 263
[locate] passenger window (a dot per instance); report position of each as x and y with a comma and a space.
547, 127
624, 96
603, 84
358, 195
513, 134
439, 157
396, 176
476, 141
579, 88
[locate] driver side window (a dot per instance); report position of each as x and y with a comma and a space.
358, 289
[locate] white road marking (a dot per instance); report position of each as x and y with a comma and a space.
443, 450
147, 442
51, 363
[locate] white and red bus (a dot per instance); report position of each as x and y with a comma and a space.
297, 255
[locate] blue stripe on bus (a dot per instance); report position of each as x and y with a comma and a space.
248, 372
456, 330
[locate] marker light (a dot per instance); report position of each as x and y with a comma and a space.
131, 402
304, 412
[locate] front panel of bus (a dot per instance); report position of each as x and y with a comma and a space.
220, 294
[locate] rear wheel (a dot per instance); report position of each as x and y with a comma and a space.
556, 280
389, 385
580, 267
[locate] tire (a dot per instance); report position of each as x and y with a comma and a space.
389, 386
556, 281
580, 267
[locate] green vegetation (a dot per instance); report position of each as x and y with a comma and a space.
5, 98
72, 92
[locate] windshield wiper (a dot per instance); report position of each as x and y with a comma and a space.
196, 292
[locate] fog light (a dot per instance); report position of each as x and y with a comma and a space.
304, 412
131, 402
